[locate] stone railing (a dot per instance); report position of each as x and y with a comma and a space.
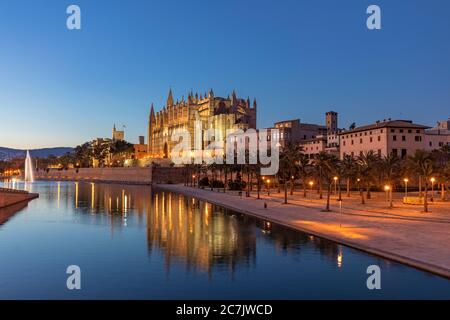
13, 191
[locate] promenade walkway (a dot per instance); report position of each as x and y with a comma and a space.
401, 234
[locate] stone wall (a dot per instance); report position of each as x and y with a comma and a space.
116, 175
168, 175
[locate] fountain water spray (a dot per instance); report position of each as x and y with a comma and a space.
29, 172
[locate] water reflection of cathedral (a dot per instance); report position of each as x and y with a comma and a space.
198, 234
188, 232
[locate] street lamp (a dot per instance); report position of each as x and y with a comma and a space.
335, 184
311, 183
432, 188
406, 180
268, 187
387, 189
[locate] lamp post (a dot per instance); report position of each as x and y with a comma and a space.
406, 180
432, 188
335, 184
268, 187
387, 189
311, 183
193, 179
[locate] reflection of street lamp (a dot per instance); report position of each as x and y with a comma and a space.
339, 259
387, 188
406, 186
432, 188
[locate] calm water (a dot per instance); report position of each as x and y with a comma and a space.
131, 242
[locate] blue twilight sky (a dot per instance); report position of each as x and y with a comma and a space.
299, 59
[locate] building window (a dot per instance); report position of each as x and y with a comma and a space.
394, 152
394, 138
379, 152
371, 139
401, 130
360, 141
418, 138
403, 153
403, 138
352, 142
409, 131
393, 130
379, 138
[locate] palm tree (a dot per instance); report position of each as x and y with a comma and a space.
303, 167
288, 158
445, 176
441, 159
349, 170
421, 164
327, 166
426, 170
413, 165
320, 164
368, 163
390, 168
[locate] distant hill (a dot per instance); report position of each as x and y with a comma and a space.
9, 153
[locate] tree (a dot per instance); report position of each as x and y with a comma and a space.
83, 154
413, 165
421, 163
390, 166
119, 151
288, 158
99, 152
303, 168
368, 164
320, 164
327, 166
349, 170
441, 160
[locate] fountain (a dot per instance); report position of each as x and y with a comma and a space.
29, 172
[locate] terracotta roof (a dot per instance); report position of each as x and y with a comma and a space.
387, 124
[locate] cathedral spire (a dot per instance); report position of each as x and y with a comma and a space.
170, 99
152, 114
233, 98
254, 104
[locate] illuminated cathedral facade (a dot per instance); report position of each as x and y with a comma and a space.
222, 114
